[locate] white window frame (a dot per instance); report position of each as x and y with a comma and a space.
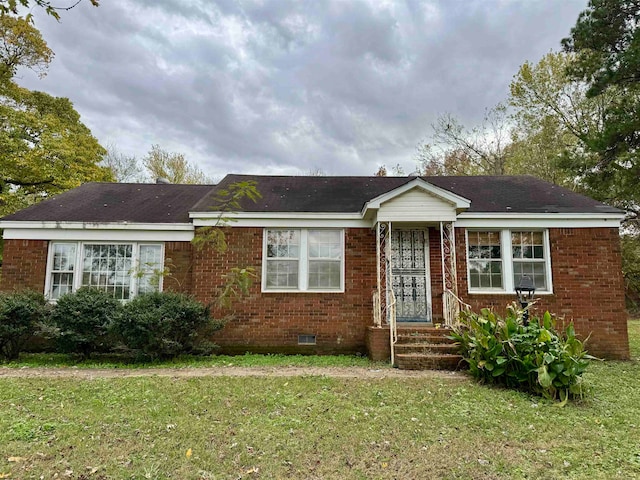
77, 268
507, 261
303, 263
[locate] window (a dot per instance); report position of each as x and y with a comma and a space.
64, 260
528, 258
325, 258
283, 258
498, 259
485, 260
123, 270
303, 260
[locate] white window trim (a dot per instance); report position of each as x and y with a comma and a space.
303, 263
507, 261
77, 267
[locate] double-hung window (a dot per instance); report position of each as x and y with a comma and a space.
121, 269
498, 259
303, 260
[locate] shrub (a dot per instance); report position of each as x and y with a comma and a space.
21, 316
534, 357
83, 319
165, 324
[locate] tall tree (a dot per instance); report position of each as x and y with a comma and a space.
44, 147
21, 45
173, 167
606, 44
454, 149
124, 168
554, 120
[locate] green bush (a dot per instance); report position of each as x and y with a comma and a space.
83, 319
165, 324
22, 315
534, 357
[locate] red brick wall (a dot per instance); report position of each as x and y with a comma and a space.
273, 321
435, 267
24, 265
587, 283
178, 258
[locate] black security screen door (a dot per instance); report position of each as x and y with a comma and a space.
409, 275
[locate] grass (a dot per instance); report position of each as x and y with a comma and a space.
57, 360
318, 427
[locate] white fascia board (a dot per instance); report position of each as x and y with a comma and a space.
8, 224
157, 232
539, 220
282, 219
456, 200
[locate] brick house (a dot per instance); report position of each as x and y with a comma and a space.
336, 256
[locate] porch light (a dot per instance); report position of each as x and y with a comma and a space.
525, 291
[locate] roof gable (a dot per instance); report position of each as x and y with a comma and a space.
452, 199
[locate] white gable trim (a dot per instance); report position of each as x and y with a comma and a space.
455, 200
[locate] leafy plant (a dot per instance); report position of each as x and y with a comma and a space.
83, 319
165, 324
21, 316
534, 357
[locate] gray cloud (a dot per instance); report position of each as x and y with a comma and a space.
285, 87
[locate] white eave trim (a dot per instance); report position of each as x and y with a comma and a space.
8, 224
108, 231
539, 220
282, 219
455, 200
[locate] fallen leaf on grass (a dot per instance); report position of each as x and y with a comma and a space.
252, 470
4, 475
16, 459
189, 453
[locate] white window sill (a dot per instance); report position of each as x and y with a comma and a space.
302, 291
503, 292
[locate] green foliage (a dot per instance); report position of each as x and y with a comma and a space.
532, 357
45, 147
227, 200
607, 38
83, 319
631, 270
165, 324
12, 6
22, 46
21, 316
173, 167
606, 45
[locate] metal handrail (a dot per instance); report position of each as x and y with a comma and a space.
452, 305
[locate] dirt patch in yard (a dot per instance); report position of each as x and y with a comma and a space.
337, 372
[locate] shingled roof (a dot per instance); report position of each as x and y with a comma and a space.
117, 202
162, 203
514, 194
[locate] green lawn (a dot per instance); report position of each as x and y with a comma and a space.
318, 427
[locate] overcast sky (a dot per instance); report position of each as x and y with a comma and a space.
285, 87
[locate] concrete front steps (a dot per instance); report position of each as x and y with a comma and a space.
426, 348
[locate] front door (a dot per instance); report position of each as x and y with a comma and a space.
410, 275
